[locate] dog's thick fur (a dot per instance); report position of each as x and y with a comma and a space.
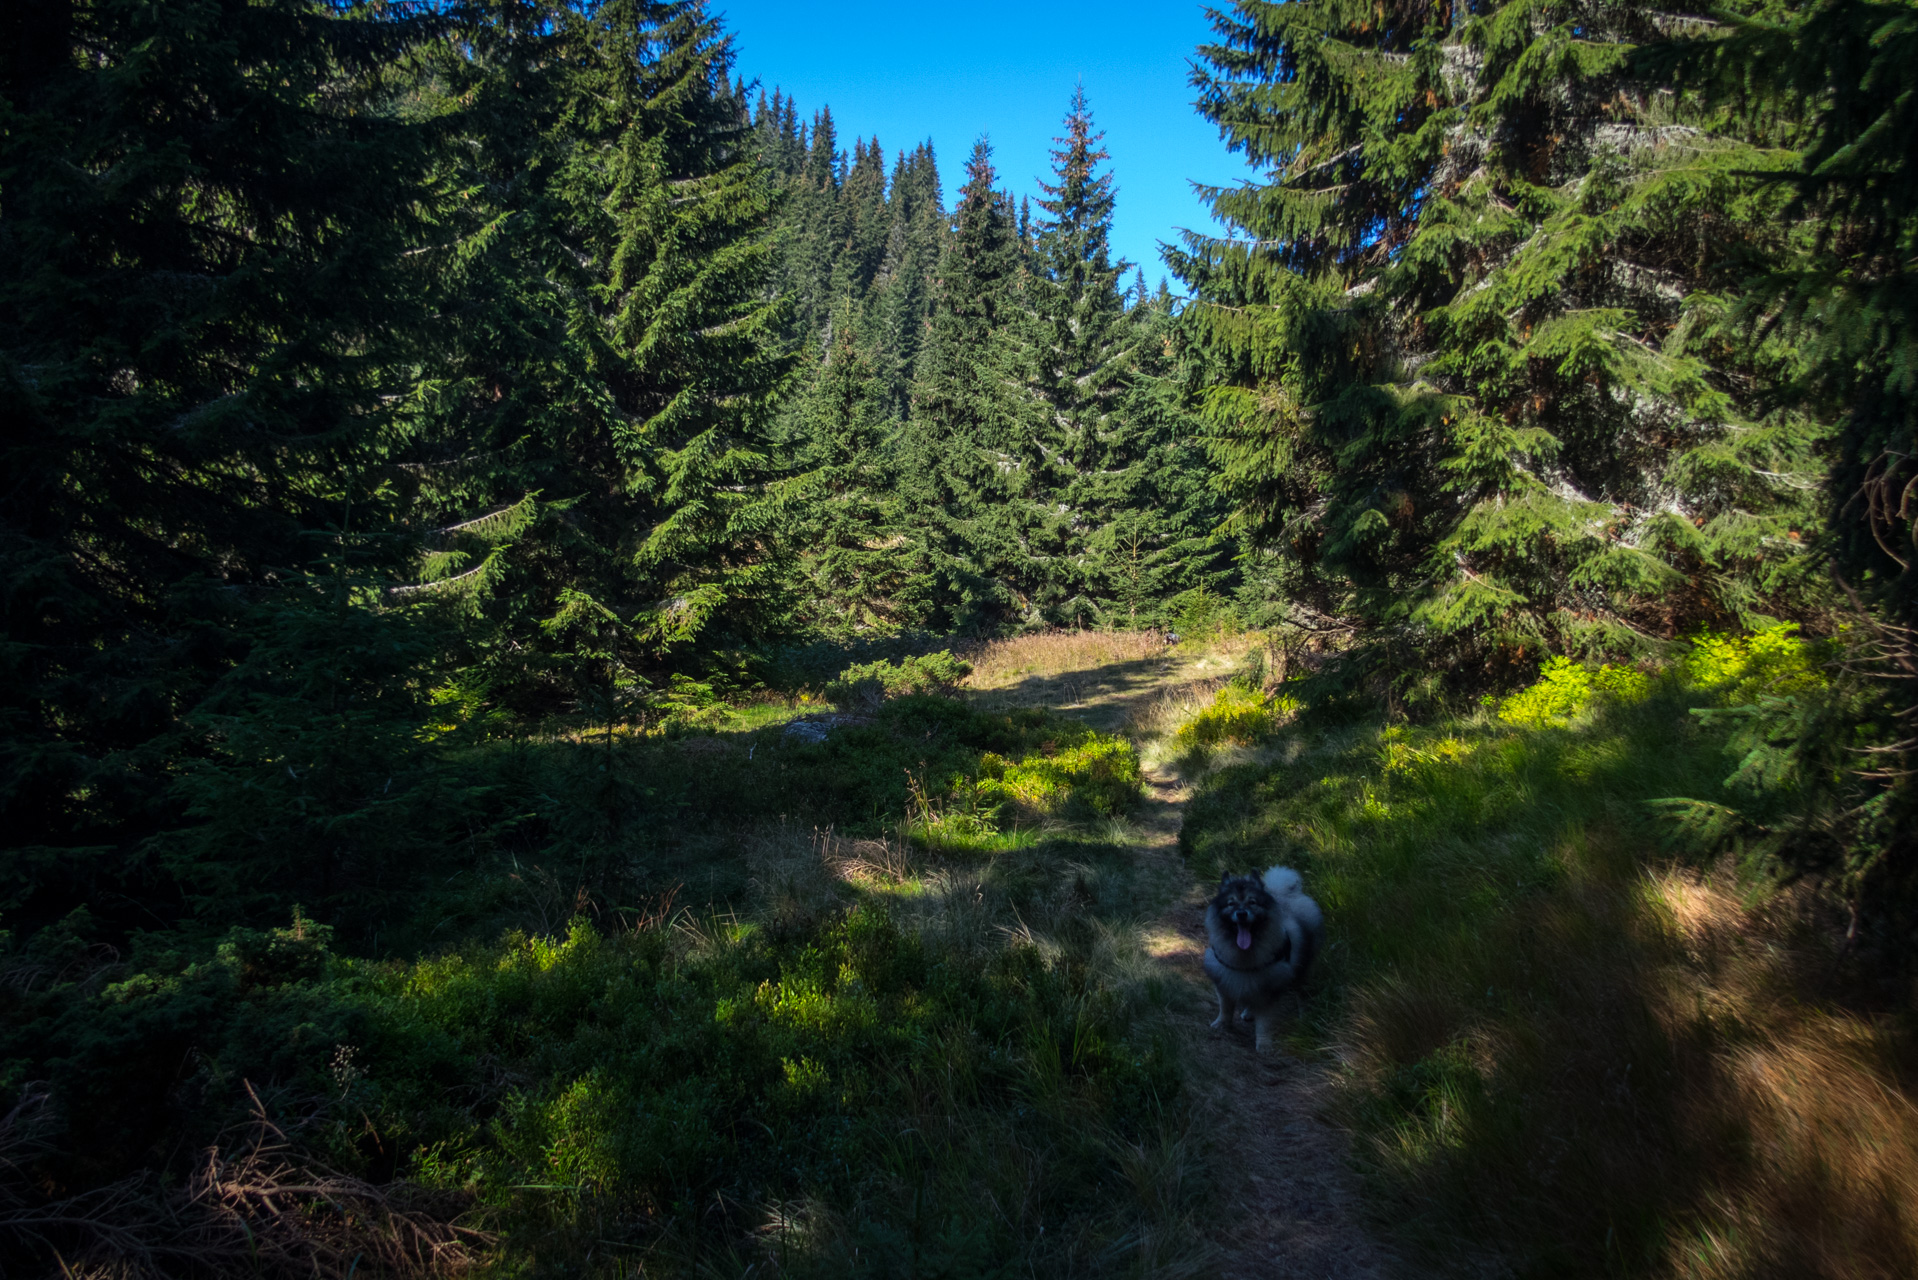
1265, 934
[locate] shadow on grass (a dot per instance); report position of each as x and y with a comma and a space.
1567, 1053
739, 1024
1112, 698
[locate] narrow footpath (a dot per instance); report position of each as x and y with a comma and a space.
1288, 1204
1283, 1203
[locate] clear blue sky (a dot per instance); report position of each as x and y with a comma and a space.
908, 72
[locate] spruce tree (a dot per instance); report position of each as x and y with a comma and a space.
861, 571
1151, 506
973, 473
816, 228
611, 367
1469, 365
863, 225
1835, 86
1081, 337
206, 334
1114, 449
904, 286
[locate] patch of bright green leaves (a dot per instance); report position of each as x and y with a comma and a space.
1733, 669
1238, 714
1565, 688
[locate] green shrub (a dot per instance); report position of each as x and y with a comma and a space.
1201, 613
865, 687
772, 1069
1237, 715
1734, 669
1565, 688
1774, 662
1101, 773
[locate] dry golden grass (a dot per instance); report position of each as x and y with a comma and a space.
1046, 654
1814, 1142
1126, 682
1692, 1055
1172, 706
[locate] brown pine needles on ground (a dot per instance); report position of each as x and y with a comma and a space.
258, 1207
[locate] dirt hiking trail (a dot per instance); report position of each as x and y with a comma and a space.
1291, 1203
1284, 1202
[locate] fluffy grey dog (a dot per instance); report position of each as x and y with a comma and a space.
1264, 934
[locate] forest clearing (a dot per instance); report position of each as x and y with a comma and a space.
604, 677
945, 960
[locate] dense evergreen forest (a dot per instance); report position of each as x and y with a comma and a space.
447, 444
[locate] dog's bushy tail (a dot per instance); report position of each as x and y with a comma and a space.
1303, 922
1283, 883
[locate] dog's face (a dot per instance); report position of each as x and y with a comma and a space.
1243, 906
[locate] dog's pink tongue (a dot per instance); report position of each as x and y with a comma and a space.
1245, 938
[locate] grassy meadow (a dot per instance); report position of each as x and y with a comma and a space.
714, 998
1569, 1040
708, 1002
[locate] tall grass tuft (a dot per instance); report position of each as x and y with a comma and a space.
1238, 715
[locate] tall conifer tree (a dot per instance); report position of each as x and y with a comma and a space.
905, 283
615, 353
1081, 336
861, 569
1467, 360
975, 475
206, 329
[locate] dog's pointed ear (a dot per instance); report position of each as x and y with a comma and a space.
1225, 877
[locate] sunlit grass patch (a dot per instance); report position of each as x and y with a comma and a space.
1101, 773
1400, 753
1155, 723
966, 835
997, 808
879, 1070
1237, 714
1052, 653
764, 713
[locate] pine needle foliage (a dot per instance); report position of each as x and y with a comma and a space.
861, 571
1099, 373
1835, 81
974, 466
204, 309
613, 351
1472, 369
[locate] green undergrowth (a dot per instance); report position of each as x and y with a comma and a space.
867, 685
1238, 715
1528, 1055
744, 1016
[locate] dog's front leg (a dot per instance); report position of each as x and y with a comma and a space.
1221, 978
1265, 1025
1227, 1010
